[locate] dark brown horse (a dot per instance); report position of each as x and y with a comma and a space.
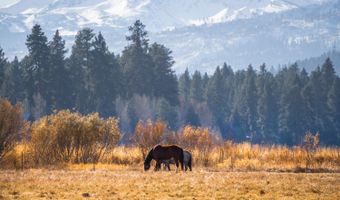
160, 153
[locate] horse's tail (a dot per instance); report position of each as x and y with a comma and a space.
190, 161
181, 158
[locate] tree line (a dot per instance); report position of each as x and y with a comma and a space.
140, 84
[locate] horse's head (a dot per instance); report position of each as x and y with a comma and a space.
147, 160
146, 166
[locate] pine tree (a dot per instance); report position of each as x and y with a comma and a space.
327, 75
238, 126
291, 124
308, 118
205, 81
326, 81
79, 66
3, 62
318, 113
228, 76
138, 35
106, 77
38, 72
227, 71
217, 99
168, 113
184, 87
266, 107
136, 63
165, 81
334, 106
13, 88
192, 117
247, 101
60, 78
196, 90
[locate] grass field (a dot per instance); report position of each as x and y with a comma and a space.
127, 183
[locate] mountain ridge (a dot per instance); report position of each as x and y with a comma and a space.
199, 40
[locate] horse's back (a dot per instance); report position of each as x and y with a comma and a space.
167, 151
167, 147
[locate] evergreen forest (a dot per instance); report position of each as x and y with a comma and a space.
253, 104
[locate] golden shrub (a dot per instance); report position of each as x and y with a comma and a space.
148, 134
191, 137
71, 137
11, 126
198, 138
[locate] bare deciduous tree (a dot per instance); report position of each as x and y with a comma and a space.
148, 134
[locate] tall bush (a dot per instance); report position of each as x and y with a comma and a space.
148, 134
11, 125
71, 137
198, 138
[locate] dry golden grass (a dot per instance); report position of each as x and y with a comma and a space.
226, 157
126, 183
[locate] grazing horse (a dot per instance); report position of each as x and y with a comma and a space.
160, 153
187, 161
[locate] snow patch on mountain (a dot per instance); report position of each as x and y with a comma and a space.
6, 4
228, 14
276, 6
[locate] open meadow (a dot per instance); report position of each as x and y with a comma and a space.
230, 171
81, 182
100, 98
72, 156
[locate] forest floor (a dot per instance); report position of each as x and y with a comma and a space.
129, 183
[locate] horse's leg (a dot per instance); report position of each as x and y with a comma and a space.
157, 165
181, 160
166, 166
177, 165
169, 166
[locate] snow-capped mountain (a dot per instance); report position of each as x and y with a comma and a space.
201, 33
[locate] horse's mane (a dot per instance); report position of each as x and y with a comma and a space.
148, 158
165, 145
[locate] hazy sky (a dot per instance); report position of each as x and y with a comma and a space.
6, 2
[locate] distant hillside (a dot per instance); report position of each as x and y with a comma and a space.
311, 63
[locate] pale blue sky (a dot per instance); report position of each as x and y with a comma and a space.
6, 2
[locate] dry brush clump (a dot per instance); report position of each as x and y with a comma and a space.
311, 143
71, 137
148, 134
246, 156
12, 126
200, 141
124, 155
